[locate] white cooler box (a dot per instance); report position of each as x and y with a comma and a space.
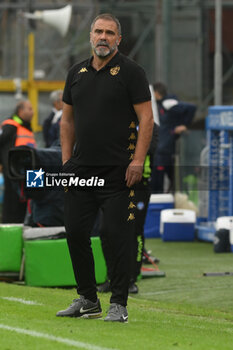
226, 222
177, 225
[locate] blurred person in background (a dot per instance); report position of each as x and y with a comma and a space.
174, 116
15, 131
51, 125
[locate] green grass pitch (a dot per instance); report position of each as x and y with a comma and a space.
184, 310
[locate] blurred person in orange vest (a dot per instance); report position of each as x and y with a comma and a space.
15, 131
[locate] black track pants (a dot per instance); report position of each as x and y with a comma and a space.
81, 208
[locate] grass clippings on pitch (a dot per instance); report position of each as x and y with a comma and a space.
184, 310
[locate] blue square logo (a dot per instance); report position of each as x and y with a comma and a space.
35, 178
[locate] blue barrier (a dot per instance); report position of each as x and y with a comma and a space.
219, 126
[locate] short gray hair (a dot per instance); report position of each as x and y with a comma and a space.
109, 17
19, 106
55, 95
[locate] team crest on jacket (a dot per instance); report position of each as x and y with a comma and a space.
115, 70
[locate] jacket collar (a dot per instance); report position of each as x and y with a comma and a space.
115, 59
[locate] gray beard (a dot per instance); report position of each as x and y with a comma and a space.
104, 52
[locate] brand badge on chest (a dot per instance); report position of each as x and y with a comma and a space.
83, 70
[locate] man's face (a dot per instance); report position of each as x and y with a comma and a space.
104, 38
26, 113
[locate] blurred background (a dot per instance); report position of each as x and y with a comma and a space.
174, 40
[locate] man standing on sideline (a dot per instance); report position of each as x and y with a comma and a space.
51, 125
105, 97
174, 116
15, 131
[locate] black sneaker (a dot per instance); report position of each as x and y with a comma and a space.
117, 313
133, 288
82, 308
104, 287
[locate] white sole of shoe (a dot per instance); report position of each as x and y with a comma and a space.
97, 315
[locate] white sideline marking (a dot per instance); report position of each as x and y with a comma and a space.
177, 290
23, 301
77, 344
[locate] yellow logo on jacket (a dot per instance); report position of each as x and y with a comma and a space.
132, 136
131, 217
131, 205
132, 125
131, 194
115, 70
83, 70
131, 147
131, 156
